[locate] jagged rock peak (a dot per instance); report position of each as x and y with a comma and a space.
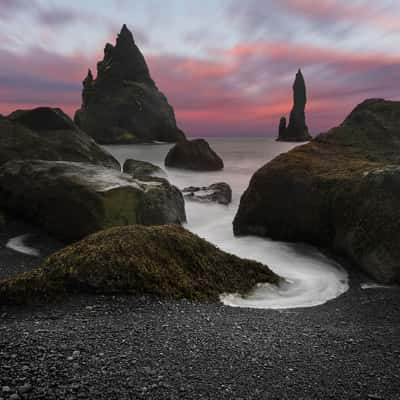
125, 35
89, 78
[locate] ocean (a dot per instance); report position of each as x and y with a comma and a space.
311, 278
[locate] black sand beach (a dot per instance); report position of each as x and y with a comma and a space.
99, 347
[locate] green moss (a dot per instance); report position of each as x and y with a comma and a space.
126, 137
166, 261
119, 206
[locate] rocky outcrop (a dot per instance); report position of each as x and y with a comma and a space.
297, 130
48, 134
195, 155
165, 261
219, 192
341, 191
139, 169
123, 104
71, 200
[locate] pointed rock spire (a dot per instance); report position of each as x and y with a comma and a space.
125, 35
123, 104
297, 130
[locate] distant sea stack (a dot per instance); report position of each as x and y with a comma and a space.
297, 130
123, 104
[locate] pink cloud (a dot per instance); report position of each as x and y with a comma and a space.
243, 91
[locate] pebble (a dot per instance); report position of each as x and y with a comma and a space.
27, 387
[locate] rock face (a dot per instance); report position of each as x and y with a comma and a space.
219, 192
166, 261
48, 134
195, 155
138, 169
123, 105
341, 191
297, 130
71, 200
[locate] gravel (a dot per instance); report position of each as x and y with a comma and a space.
96, 347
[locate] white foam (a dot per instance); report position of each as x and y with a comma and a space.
17, 244
373, 285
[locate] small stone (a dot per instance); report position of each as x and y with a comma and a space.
27, 387
76, 354
14, 397
6, 389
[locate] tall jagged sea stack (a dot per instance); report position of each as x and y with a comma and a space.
297, 130
123, 104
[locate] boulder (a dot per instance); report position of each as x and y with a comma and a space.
71, 200
219, 192
123, 104
297, 130
166, 261
48, 134
140, 169
195, 155
341, 191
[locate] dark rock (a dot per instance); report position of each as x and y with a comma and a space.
195, 155
165, 261
219, 192
123, 104
139, 169
297, 130
71, 200
341, 191
282, 127
48, 134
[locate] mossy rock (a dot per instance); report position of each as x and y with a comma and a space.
72, 200
341, 191
46, 133
165, 261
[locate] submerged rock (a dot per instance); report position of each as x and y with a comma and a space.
297, 130
140, 169
71, 200
219, 192
166, 261
123, 104
195, 155
341, 191
48, 134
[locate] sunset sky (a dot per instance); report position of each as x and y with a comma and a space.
226, 66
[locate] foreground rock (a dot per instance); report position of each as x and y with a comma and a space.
123, 104
219, 192
195, 155
297, 130
165, 261
71, 200
48, 134
341, 191
139, 169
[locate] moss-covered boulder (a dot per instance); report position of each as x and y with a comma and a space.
48, 134
341, 191
166, 261
194, 154
123, 104
71, 200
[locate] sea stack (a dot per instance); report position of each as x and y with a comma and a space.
123, 104
297, 130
